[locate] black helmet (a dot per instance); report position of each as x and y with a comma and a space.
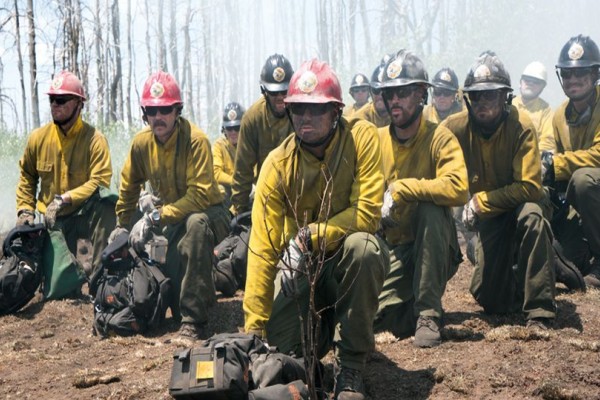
579, 52
403, 69
359, 80
445, 78
232, 115
276, 73
487, 73
377, 77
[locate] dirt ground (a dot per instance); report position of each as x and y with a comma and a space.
48, 351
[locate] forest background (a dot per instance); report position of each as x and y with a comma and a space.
216, 48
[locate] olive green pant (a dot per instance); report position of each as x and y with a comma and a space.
577, 227
94, 220
514, 269
419, 272
190, 261
345, 294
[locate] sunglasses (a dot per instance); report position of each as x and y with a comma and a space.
164, 110
401, 92
279, 93
443, 92
316, 110
376, 91
567, 73
361, 89
60, 100
487, 95
232, 128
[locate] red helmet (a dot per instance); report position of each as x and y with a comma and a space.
160, 89
314, 82
66, 83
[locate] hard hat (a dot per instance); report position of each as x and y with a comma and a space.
536, 70
160, 89
579, 52
445, 78
359, 80
314, 82
232, 115
403, 69
66, 83
276, 73
487, 73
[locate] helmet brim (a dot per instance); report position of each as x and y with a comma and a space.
403, 82
275, 87
303, 98
229, 124
478, 87
577, 64
62, 92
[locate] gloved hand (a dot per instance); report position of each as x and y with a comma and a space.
292, 267
25, 217
52, 211
148, 202
548, 177
140, 233
115, 233
386, 209
470, 217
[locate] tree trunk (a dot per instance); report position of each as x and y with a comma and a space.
147, 37
35, 103
115, 114
100, 63
127, 94
20, 67
162, 51
173, 40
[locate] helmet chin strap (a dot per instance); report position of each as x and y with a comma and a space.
325, 139
264, 93
487, 130
413, 117
68, 120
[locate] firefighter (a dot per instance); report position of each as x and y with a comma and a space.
445, 96
223, 149
514, 268
172, 157
425, 175
263, 128
317, 207
70, 160
375, 111
359, 90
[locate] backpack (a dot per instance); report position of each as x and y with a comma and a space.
130, 293
21, 266
231, 257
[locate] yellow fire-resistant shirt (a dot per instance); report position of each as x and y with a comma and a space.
576, 146
505, 170
223, 158
541, 115
260, 133
351, 109
180, 172
334, 197
429, 167
431, 114
369, 113
77, 163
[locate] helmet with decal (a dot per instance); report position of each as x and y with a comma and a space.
579, 52
276, 73
232, 115
487, 73
403, 69
314, 82
358, 81
160, 89
65, 83
445, 78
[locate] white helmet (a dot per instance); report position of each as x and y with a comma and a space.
536, 70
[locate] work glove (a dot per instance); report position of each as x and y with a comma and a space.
142, 230
386, 209
53, 210
470, 217
548, 177
25, 217
148, 202
292, 265
115, 233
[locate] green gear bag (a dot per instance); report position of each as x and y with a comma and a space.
62, 272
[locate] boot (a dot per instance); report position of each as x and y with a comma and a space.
427, 333
566, 272
349, 385
592, 279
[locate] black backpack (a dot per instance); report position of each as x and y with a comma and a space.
231, 257
21, 266
130, 293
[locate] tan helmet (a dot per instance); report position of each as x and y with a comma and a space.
536, 70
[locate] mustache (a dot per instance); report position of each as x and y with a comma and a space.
158, 123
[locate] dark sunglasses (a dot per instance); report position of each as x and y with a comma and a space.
443, 92
233, 128
60, 100
567, 73
360, 89
164, 110
401, 92
279, 93
316, 110
487, 95
375, 91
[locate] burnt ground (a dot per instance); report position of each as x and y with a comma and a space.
48, 351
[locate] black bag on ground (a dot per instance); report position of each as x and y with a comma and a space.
130, 294
218, 369
295, 390
231, 256
21, 266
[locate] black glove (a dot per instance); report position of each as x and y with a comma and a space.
548, 178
